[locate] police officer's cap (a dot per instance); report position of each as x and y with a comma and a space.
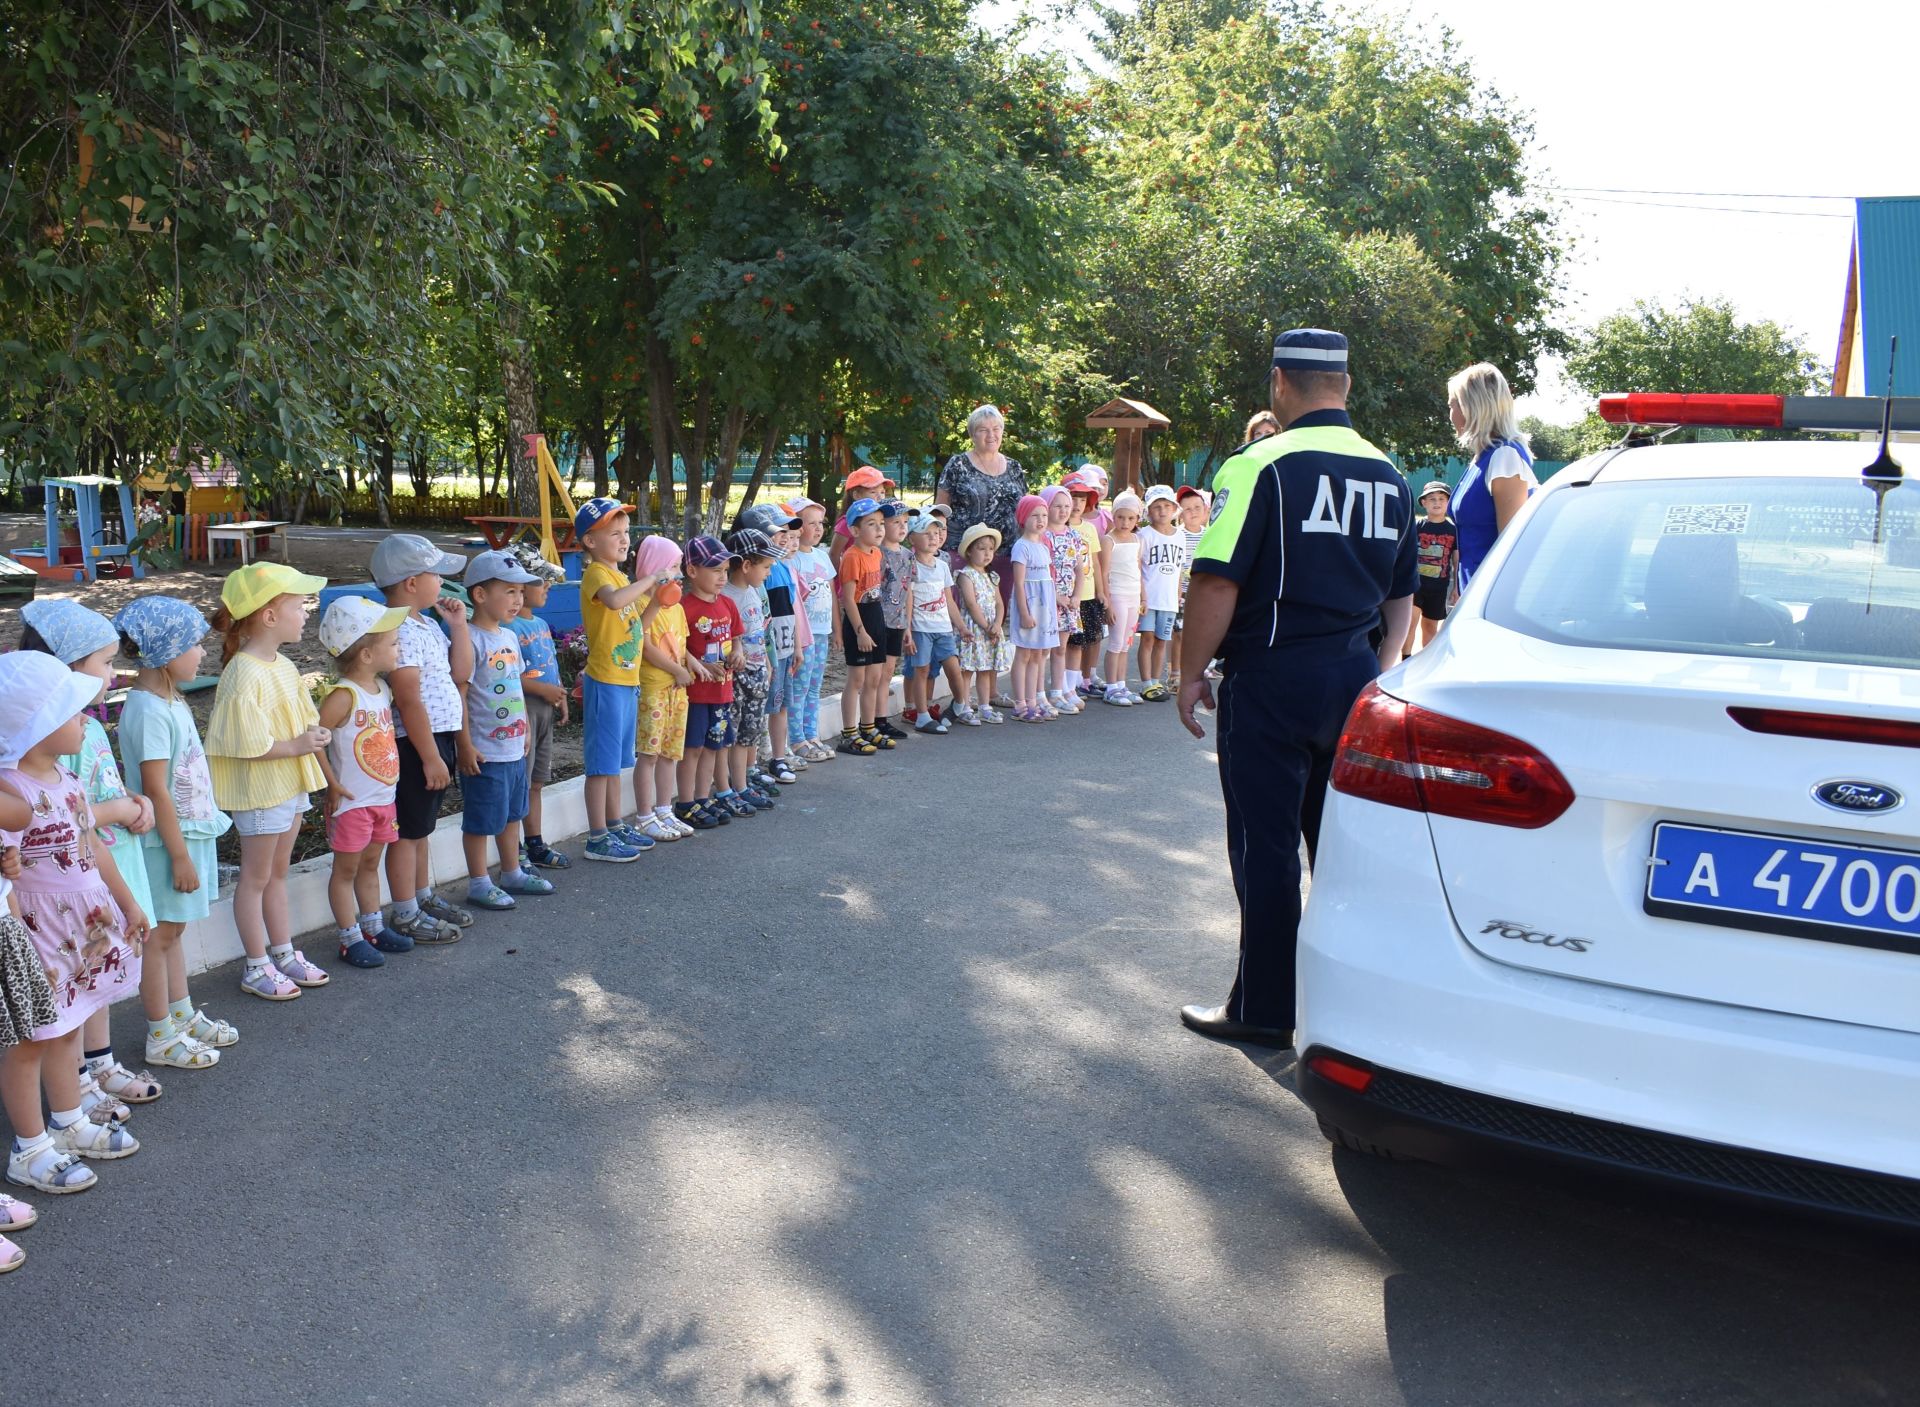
1310, 349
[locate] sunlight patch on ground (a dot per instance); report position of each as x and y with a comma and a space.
745, 1191
1002, 1305
860, 903
613, 1041
1179, 1241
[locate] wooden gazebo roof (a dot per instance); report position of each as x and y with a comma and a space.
1123, 414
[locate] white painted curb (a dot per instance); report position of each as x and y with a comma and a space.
213, 941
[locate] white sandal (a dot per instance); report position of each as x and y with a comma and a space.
120, 1082
99, 1105
208, 1031
181, 1051
89, 1137
65, 1173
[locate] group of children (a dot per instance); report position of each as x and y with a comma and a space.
1082, 582
703, 679
1086, 581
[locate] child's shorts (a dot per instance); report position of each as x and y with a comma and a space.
663, 722
1159, 624
540, 722
416, 811
876, 625
750, 687
710, 726
931, 649
611, 716
779, 683
271, 820
350, 832
169, 904
495, 797
1093, 624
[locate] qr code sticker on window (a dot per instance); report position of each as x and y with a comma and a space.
1684, 519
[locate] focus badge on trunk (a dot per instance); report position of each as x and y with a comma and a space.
1856, 796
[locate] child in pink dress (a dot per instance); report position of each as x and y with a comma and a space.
80, 917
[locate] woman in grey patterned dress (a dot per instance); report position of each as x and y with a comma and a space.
982, 485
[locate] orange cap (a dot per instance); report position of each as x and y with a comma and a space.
866, 477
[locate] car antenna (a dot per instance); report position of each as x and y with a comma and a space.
1885, 468
1884, 474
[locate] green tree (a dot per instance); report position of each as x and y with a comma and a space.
1387, 156
909, 219
238, 228
1698, 345
1553, 442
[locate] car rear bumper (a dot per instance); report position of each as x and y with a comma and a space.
1387, 978
1424, 1119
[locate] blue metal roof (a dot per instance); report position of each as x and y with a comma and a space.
1888, 230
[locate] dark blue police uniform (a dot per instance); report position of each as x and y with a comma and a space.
1316, 528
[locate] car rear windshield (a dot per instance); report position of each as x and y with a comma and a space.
1781, 568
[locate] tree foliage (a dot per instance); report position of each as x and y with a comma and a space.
1355, 174
326, 240
1694, 346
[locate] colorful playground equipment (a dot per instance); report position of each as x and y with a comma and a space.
94, 548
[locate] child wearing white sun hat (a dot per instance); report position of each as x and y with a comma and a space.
82, 922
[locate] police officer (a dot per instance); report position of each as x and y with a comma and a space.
1311, 545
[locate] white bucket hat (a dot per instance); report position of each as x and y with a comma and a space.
37, 695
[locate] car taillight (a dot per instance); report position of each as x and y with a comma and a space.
1400, 754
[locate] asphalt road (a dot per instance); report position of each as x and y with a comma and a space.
879, 1099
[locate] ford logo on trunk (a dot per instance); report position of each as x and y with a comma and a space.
1856, 796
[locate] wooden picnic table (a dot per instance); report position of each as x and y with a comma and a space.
503, 531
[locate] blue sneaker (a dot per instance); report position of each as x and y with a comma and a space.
526, 884
611, 851
361, 953
387, 941
630, 837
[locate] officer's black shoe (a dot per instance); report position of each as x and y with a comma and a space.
1214, 1021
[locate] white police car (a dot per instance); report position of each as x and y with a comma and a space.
1624, 870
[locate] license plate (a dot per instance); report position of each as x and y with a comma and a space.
1854, 894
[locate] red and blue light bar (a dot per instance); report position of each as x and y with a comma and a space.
1856, 414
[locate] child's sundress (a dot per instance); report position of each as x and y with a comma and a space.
1067, 547
978, 654
1041, 603
76, 929
153, 729
94, 765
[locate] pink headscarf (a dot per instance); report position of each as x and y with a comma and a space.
657, 554
1028, 505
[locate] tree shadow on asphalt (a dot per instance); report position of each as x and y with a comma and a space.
961, 1133
1517, 1285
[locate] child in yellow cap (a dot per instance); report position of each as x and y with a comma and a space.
262, 743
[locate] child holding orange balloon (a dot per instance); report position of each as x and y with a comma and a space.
664, 677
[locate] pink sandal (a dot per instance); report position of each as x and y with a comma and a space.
11, 1256
15, 1215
